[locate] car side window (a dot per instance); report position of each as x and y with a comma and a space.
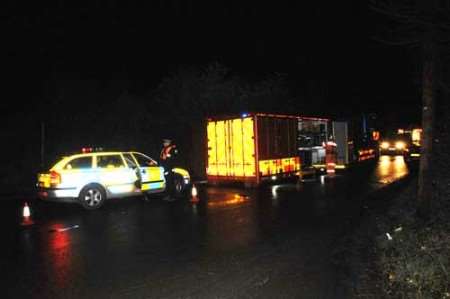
79, 163
129, 160
109, 161
144, 161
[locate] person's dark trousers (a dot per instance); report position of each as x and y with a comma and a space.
170, 183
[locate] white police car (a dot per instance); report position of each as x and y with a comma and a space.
89, 178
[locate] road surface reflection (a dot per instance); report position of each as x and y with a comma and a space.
390, 168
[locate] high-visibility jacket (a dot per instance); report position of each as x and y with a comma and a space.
167, 152
330, 156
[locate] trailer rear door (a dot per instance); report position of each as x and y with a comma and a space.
231, 148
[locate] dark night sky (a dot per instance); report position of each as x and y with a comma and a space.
309, 42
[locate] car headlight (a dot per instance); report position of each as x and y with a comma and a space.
400, 145
384, 145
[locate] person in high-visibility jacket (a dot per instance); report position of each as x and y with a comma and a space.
330, 156
167, 157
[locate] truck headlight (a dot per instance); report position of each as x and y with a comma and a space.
384, 145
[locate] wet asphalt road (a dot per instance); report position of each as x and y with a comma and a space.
273, 242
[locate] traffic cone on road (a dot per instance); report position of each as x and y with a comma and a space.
194, 195
26, 215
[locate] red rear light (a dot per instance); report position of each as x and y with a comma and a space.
55, 178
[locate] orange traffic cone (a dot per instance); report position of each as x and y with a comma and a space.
26, 215
194, 193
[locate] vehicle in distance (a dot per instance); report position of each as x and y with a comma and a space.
90, 178
412, 154
393, 144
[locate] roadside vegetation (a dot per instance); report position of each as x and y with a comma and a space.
393, 253
413, 256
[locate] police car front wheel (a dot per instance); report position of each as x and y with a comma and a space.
179, 186
92, 196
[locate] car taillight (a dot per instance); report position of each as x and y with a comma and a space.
55, 178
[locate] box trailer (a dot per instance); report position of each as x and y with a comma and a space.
253, 148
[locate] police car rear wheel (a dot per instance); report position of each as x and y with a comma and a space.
92, 197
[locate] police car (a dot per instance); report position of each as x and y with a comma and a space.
91, 177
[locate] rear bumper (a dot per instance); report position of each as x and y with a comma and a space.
57, 195
58, 192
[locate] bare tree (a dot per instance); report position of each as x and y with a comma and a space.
423, 24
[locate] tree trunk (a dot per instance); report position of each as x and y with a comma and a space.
425, 188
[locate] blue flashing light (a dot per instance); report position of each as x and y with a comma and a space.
244, 115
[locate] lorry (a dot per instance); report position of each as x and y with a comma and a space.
256, 147
335, 144
413, 149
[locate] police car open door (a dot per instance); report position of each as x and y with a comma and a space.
151, 175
